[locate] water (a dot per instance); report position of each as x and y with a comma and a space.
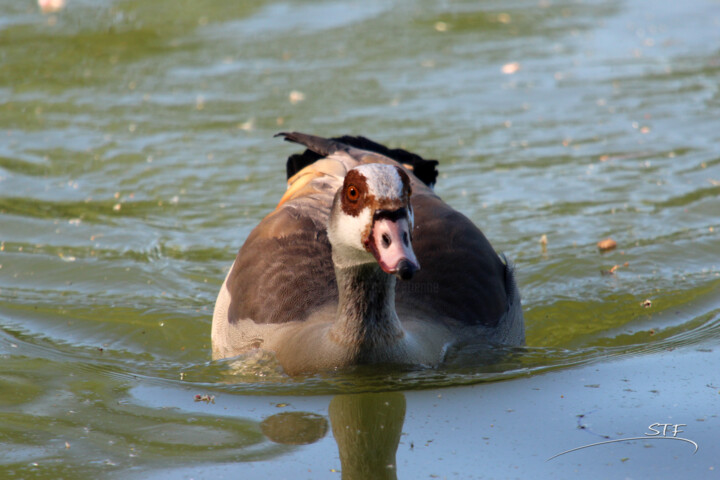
136, 156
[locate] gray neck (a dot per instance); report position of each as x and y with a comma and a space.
366, 319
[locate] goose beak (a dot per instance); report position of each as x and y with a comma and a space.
391, 245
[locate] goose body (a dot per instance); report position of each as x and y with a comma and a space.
362, 263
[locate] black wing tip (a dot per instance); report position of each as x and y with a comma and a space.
295, 137
318, 147
424, 170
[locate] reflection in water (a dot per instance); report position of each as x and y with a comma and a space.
294, 428
367, 429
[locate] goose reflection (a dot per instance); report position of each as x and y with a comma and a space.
367, 428
294, 428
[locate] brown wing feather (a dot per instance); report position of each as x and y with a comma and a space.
277, 279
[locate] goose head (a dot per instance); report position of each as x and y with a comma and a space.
371, 220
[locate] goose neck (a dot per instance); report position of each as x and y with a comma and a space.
366, 310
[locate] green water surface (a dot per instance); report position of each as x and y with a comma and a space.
136, 154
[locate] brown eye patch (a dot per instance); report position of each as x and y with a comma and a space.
355, 193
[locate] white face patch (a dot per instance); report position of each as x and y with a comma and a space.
346, 236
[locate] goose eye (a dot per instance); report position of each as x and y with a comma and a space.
352, 193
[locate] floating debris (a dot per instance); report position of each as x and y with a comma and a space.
296, 97
609, 272
614, 269
66, 258
510, 68
543, 243
247, 125
607, 244
51, 6
205, 398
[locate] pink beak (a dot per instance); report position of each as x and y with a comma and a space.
390, 244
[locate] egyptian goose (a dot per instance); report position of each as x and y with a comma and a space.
362, 263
